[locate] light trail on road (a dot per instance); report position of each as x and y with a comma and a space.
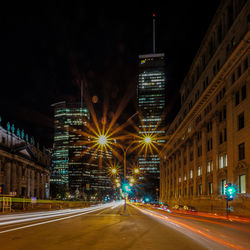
23, 218
190, 228
209, 221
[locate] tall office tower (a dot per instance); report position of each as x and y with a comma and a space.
151, 104
72, 167
67, 118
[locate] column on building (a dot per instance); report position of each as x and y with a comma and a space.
161, 169
13, 177
171, 176
215, 135
43, 185
161, 178
204, 158
174, 176
195, 146
7, 176
230, 142
164, 190
168, 179
164, 186
19, 179
32, 182
187, 168
182, 167
28, 181
177, 173
38, 184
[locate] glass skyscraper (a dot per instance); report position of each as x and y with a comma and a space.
70, 166
67, 119
151, 91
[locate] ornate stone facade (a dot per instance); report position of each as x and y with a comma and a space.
209, 139
24, 169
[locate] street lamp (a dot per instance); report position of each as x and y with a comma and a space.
136, 170
132, 180
102, 140
114, 171
147, 140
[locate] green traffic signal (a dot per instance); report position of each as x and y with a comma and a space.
126, 187
230, 191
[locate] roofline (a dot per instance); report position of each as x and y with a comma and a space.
151, 55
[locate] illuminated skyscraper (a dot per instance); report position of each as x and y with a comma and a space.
70, 166
151, 90
67, 118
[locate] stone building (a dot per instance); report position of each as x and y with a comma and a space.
209, 140
24, 169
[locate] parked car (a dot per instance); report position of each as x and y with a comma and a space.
179, 207
163, 205
190, 208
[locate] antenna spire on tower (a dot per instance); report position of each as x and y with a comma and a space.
154, 33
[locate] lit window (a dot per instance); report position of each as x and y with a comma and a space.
221, 161
223, 188
199, 171
191, 174
208, 167
225, 160
242, 184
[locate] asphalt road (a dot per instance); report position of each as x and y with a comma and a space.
100, 227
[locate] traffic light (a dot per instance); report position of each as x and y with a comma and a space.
230, 191
126, 187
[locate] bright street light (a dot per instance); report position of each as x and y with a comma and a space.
147, 139
136, 170
132, 180
114, 171
102, 140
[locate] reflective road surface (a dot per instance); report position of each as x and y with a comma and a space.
108, 227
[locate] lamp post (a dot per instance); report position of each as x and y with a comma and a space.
125, 150
147, 140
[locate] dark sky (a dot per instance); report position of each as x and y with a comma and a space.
47, 48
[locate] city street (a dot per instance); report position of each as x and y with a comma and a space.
108, 227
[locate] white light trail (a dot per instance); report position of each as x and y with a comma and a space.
22, 218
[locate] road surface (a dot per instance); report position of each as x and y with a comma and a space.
107, 227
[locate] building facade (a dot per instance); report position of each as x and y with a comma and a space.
151, 90
209, 140
24, 168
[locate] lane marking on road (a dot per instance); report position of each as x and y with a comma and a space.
50, 221
101, 212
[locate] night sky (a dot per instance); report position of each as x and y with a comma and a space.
47, 49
